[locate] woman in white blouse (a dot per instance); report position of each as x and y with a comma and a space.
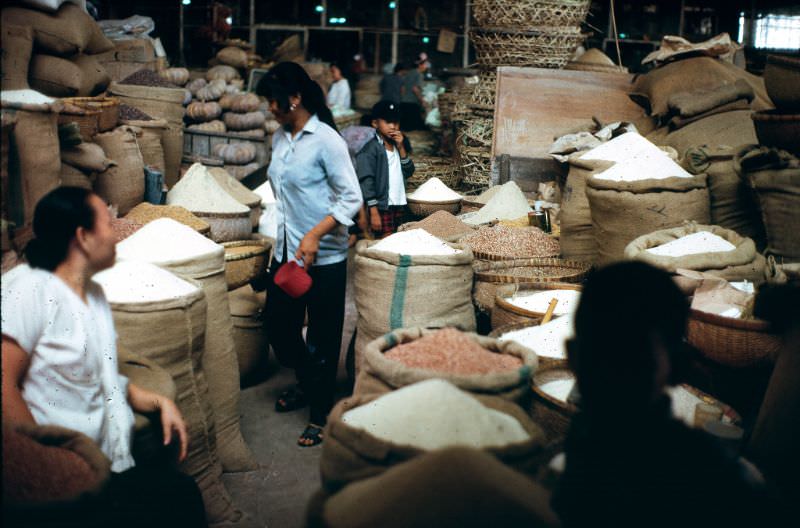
339, 92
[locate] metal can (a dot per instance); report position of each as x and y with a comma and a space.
539, 219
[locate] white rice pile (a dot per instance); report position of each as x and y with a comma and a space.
487, 195
265, 192
415, 242
198, 191
696, 243
558, 389
508, 203
434, 414
141, 282
165, 240
434, 190
635, 159
25, 97
547, 340
540, 301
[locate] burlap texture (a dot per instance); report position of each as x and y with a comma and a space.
350, 455
171, 334
623, 211
55, 76
249, 336
774, 175
577, 234
17, 45
511, 385
219, 357
729, 128
94, 77
121, 185
64, 33
148, 135
72, 177
172, 142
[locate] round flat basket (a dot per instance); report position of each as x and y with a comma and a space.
418, 208
245, 260
505, 312
497, 258
108, 108
549, 412
544, 362
542, 47
227, 227
521, 271
511, 13
732, 342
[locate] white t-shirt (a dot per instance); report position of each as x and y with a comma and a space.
397, 186
339, 95
72, 380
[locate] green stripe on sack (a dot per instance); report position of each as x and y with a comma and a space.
399, 293
390, 339
524, 373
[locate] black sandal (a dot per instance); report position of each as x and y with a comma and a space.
313, 434
290, 400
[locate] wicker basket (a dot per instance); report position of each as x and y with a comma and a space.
245, 260
516, 13
483, 96
427, 167
732, 342
540, 48
506, 313
532, 270
476, 165
551, 414
476, 131
87, 121
419, 208
446, 102
108, 107
227, 227
544, 362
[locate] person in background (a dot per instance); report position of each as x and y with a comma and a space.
383, 166
412, 104
392, 84
339, 92
629, 462
59, 355
318, 196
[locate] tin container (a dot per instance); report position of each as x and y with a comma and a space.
539, 219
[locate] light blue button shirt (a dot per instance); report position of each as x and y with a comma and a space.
313, 177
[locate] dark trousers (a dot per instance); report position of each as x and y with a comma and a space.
316, 359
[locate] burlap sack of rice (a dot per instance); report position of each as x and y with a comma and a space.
380, 374
148, 375
88, 157
733, 204
123, 184
177, 346
400, 291
774, 176
623, 211
65, 33
17, 45
249, 338
72, 177
350, 455
742, 263
149, 135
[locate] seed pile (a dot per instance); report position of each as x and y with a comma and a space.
145, 213
513, 242
547, 340
165, 240
700, 242
486, 195
139, 282
241, 250
123, 228
242, 194
443, 225
145, 77
434, 414
635, 159
558, 389
434, 190
199, 192
131, 113
540, 301
535, 272
415, 242
453, 352
508, 203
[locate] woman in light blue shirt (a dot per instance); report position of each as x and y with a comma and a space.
318, 196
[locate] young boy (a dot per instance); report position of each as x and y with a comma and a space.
383, 166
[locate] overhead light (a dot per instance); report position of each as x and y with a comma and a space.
392, 5
425, 40
342, 20
333, 20
623, 35
228, 20
186, 2
319, 9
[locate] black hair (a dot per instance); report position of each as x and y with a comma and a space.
289, 78
56, 218
400, 67
627, 312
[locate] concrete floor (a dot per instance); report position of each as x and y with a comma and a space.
276, 495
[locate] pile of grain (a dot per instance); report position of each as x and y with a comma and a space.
265, 192
233, 187
635, 159
131, 113
25, 97
512, 242
198, 191
451, 351
124, 227
559, 388
434, 414
443, 225
507, 203
434, 190
145, 213
141, 282
486, 195
145, 77
700, 242
165, 240
415, 242
547, 340
539, 301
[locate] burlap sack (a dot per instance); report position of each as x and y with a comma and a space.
730, 128
94, 77
396, 291
148, 375
249, 336
350, 455
733, 204
774, 175
511, 385
233, 56
172, 142
64, 33
171, 333
742, 263
623, 211
219, 358
34, 164
121, 185
55, 76
87, 156
149, 135
72, 177
17, 44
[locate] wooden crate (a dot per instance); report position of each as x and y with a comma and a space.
200, 143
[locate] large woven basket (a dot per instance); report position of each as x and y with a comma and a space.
245, 260
476, 131
419, 208
446, 102
551, 414
483, 96
87, 121
107, 106
540, 48
516, 13
544, 362
532, 270
476, 165
732, 342
506, 313
427, 167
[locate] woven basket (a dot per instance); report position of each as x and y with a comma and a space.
244, 261
503, 258
544, 362
532, 270
227, 227
87, 121
419, 208
551, 414
515, 13
732, 342
476, 165
540, 48
483, 96
476, 131
107, 106
427, 167
446, 102
506, 313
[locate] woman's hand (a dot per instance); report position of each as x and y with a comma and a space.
375, 223
308, 249
172, 421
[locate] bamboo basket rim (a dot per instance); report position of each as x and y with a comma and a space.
553, 374
261, 247
221, 215
99, 100
500, 299
752, 325
546, 362
438, 202
499, 258
483, 271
